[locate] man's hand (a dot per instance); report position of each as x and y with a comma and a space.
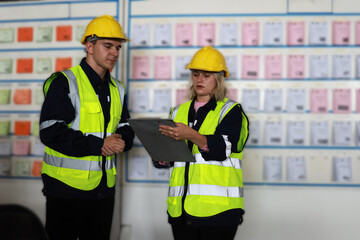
113, 144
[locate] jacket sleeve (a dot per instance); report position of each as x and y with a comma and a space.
226, 137
125, 130
57, 111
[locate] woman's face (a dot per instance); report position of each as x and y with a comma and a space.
204, 85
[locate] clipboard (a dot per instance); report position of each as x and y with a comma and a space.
160, 147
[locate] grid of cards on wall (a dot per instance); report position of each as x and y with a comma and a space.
296, 77
30, 51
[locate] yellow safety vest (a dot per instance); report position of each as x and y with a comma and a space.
213, 186
85, 173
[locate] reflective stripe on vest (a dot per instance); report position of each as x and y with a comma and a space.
213, 186
85, 172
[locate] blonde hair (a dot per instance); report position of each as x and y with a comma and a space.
219, 91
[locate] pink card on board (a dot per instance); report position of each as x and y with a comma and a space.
341, 100
206, 34
296, 66
21, 148
295, 33
162, 67
141, 67
232, 94
341, 32
184, 34
357, 33
250, 66
273, 67
250, 33
319, 100
182, 95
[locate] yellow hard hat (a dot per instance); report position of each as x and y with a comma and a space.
104, 27
208, 59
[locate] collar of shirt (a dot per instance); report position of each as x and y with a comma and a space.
92, 75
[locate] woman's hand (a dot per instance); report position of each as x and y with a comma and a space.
183, 132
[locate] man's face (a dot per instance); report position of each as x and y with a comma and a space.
105, 53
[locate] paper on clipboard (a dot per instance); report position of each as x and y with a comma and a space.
160, 147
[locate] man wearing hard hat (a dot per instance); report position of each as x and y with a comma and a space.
83, 126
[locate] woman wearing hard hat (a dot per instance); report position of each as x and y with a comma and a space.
205, 198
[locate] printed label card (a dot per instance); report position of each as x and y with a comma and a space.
232, 65
22, 128
296, 133
341, 66
139, 165
38, 149
5, 167
44, 34
141, 67
357, 57
160, 174
64, 33
24, 65
273, 33
273, 133
250, 66
162, 100
296, 98
319, 133
357, 134
140, 35
25, 34
319, 100
79, 32
357, 92
206, 34
63, 63
272, 168
250, 33
5, 96
273, 100
296, 66
341, 32
140, 100
22, 96
7, 35
36, 168
184, 34
22, 168
357, 33
251, 100
43, 65
182, 95
229, 34
342, 133
6, 66
4, 128
273, 67
342, 101
318, 33
39, 96
295, 32
21, 147
162, 67
163, 34
296, 168
319, 66
5, 146
232, 94
254, 133
342, 169
35, 128
180, 71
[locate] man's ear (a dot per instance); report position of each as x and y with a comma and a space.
89, 47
